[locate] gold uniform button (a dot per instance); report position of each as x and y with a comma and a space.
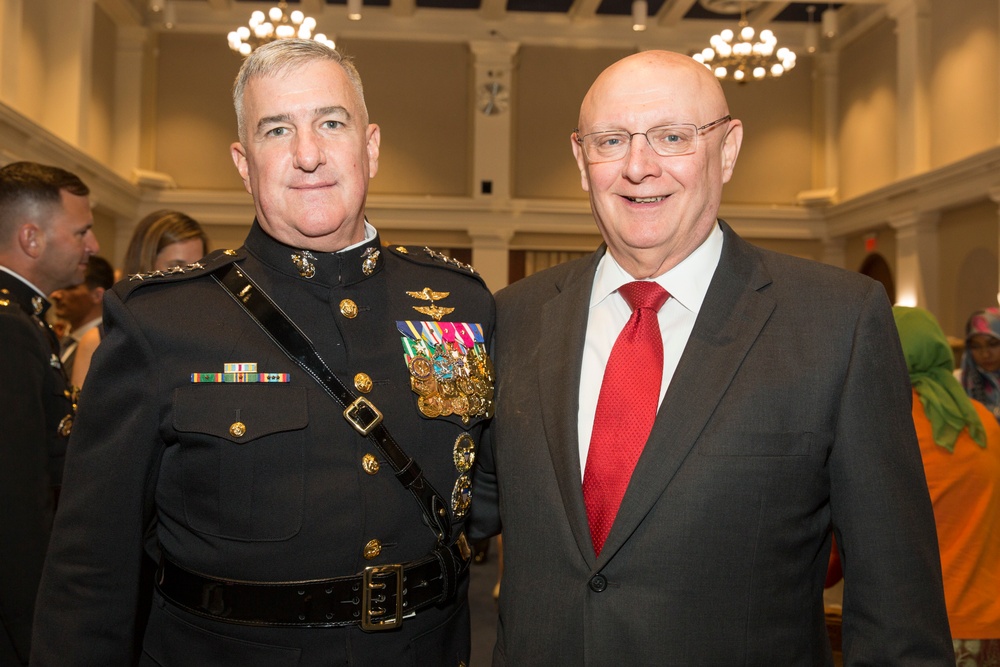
372, 549
237, 429
363, 383
65, 426
348, 309
370, 464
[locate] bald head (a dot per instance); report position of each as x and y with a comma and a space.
645, 76
654, 205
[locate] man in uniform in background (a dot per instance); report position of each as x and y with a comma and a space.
278, 513
81, 305
45, 241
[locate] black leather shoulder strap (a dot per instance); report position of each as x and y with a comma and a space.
358, 410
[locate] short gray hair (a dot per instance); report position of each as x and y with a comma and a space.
283, 54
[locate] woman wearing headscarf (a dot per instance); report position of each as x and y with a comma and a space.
981, 360
960, 446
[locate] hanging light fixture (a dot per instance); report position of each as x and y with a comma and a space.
278, 23
810, 38
354, 10
737, 57
640, 12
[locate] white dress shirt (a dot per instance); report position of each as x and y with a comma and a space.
687, 284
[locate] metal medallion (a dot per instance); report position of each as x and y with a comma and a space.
461, 496
464, 452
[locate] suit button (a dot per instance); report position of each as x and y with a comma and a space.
598, 583
372, 549
348, 309
370, 464
363, 383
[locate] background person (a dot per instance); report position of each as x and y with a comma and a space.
679, 510
981, 360
45, 242
82, 306
960, 446
164, 239
244, 489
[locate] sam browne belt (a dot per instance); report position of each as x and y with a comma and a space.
359, 412
379, 598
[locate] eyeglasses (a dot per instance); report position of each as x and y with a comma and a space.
665, 140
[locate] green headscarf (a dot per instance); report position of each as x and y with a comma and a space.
930, 363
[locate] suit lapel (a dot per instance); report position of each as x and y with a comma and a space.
731, 318
559, 361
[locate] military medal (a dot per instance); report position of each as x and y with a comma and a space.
450, 371
433, 310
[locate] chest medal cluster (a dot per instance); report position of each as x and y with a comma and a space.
450, 371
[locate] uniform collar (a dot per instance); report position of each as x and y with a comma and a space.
17, 289
346, 267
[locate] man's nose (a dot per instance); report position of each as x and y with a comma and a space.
308, 152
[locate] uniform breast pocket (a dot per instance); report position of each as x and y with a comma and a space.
241, 458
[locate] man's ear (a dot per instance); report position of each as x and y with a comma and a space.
580, 162
731, 149
239, 155
31, 239
373, 141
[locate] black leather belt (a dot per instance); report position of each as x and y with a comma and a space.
376, 599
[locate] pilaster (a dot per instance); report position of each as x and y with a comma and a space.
917, 263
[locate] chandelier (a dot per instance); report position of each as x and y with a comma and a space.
278, 23
737, 57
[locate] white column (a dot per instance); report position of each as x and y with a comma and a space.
69, 55
917, 264
11, 17
491, 255
493, 62
826, 86
129, 62
913, 73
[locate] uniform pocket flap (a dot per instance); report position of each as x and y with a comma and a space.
239, 412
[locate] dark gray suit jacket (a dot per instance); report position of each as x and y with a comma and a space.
788, 415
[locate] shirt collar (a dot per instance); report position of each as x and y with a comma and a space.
687, 282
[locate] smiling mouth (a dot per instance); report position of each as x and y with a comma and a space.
645, 200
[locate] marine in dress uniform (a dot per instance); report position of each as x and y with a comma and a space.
35, 422
265, 480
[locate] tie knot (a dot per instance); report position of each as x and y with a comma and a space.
644, 294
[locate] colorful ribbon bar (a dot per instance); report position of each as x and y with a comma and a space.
465, 333
239, 368
241, 377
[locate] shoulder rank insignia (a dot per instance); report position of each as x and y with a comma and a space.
433, 310
441, 257
450, 371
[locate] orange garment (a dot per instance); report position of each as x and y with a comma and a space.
965, 492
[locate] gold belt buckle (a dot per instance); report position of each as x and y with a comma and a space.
373, 593
350, 414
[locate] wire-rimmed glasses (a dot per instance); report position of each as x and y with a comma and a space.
666, 140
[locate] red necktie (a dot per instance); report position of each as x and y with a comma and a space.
626, 408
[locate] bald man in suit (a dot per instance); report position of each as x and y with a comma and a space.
778, 416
